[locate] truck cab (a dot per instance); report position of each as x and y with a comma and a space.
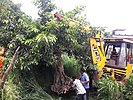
113, 56
118, 52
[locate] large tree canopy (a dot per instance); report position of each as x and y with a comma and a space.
71, 38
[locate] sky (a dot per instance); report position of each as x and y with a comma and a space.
113, 14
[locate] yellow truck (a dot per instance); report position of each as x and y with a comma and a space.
113, 56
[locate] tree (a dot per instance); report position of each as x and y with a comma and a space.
18, 29
69, 39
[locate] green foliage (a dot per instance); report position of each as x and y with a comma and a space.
45, 8
11, 91
38, 41
73, 13
71, 66
95, 30
129, 89
33, 91
93, 67
109, 89
17, 29
107, 35
9, 16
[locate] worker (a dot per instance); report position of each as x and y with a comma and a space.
114, 56
80, 90
128, 57
2, 53
84, 78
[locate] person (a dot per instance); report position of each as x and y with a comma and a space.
84, 78
128, 57
80, 91
2, 54
114, 56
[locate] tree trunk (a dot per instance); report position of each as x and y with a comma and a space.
61, 80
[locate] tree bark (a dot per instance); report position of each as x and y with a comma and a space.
9, 68
61, 80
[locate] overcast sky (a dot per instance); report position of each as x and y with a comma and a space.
114, 14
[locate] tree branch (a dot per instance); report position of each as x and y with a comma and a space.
9, 68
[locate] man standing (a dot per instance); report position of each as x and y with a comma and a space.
81, 92
84, 78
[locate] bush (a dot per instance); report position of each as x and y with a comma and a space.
109, 89
129, 89
71, 66
31, 90
11, 91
